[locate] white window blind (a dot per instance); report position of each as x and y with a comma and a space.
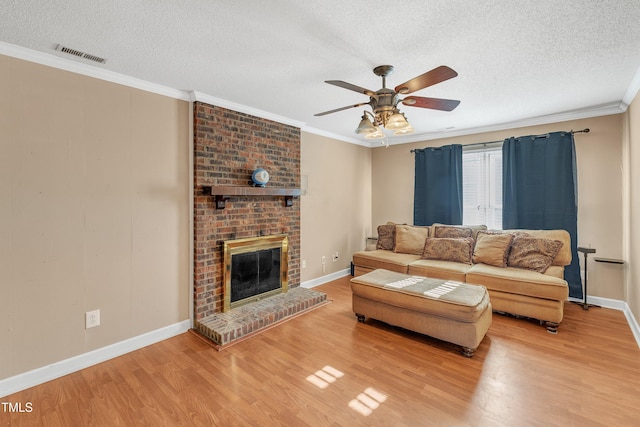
482, 186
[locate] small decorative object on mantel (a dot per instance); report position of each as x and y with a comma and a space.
260, 177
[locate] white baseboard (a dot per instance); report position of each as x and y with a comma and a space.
325, 279
616, 305
56, 370
633, 324
64, 367
602, 302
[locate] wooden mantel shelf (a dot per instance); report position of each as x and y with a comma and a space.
222, 193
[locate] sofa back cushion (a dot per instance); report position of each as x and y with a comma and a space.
447, 231
563, 258
474, 229
492, 249
410, 239
448, 249
533, 253
386, 236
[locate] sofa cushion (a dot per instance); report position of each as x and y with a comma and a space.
386, 236
564, 255
448, 249
518, 281
439, 269
492, 249
474, 228
555, 271
410, 239
533, 253
388, 260
451, 231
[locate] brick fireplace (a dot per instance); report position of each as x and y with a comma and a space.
228, 147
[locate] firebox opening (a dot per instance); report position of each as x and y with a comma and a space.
254, 273
254, 268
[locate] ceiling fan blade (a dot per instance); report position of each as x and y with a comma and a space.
432, 103
427, 79
340, 109
349, 86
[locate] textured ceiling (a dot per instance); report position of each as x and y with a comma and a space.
518, 62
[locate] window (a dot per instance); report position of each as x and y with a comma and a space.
482, 185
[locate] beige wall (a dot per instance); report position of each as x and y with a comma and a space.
600, 182
632, 282
94, 206
94, 213
335, 212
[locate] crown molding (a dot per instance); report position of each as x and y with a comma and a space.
632, 90
203, 97
58, 62
332, 135
584, 113
72, 66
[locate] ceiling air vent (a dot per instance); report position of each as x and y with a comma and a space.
80, 54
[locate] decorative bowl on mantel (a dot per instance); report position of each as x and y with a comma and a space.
260, 177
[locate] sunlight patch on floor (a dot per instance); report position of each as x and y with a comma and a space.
365, 403
325, 376
368, 401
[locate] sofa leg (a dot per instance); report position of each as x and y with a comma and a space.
360, 317
468, 352
552, 327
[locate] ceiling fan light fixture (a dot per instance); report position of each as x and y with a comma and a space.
397, 121
365, 126
406, 131
384, 102
377, 134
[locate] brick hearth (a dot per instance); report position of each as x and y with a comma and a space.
225, 328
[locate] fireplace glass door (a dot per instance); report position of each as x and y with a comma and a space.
254, 268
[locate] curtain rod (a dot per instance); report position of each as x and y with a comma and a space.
478, 144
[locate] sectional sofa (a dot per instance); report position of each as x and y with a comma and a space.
522, 270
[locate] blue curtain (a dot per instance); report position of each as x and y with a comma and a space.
540, 190
438, 185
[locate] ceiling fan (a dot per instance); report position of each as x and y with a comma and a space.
384, 102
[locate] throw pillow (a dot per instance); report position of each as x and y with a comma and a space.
448, 249
386, 237
492, 248
410, 239
533, 253
452, 231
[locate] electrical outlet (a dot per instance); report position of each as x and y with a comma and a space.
335, 256
324, 260
304, 263
92, 319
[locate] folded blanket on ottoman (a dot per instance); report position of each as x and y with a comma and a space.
452, 311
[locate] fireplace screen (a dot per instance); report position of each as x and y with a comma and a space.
254, 268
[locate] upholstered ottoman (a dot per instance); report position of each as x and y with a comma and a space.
455, 312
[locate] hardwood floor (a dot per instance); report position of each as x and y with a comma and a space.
325, 369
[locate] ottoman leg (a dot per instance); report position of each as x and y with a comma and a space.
360, 317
